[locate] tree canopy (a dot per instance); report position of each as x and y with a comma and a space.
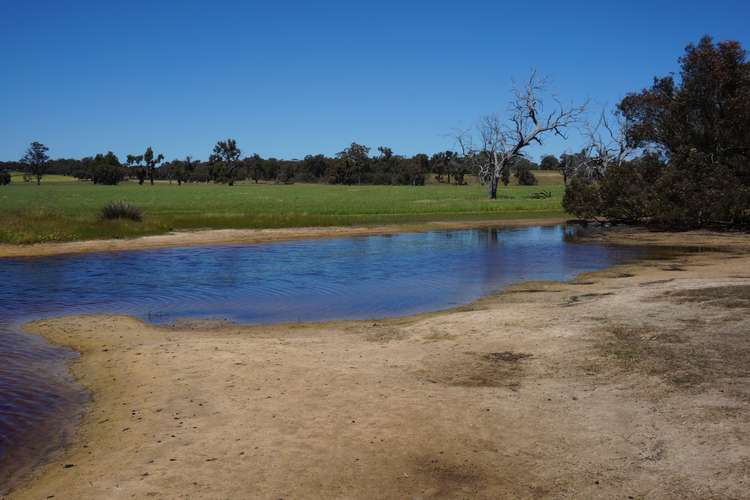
694, 131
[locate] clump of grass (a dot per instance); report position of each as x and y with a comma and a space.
120, 210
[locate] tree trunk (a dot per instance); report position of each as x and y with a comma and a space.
493, 188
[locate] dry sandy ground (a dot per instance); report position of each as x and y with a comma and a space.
232, 236
632, 382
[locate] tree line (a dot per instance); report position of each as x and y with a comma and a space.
356, 164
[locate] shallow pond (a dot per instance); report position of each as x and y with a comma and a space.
362, 277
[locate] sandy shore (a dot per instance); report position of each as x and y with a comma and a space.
631, 382
237, 236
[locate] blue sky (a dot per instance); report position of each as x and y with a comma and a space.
290, 78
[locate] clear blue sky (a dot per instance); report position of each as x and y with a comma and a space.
290, 78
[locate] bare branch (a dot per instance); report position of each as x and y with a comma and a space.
607, 145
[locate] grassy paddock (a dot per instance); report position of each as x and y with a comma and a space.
68, 210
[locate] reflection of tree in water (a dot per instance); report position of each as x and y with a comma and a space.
490, 235
573, 232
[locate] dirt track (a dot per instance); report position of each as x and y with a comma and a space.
629, 382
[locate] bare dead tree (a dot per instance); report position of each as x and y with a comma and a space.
528, 123
607, 145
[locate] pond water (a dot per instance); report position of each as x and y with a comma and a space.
362, 277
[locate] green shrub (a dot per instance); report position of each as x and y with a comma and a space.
4, 178
583, 198
525, 176
107, 174
121, 210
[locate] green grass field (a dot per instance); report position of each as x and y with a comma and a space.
63, 209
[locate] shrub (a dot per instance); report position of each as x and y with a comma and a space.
583, 198
107, 174
525, 176
4, 178
121, 210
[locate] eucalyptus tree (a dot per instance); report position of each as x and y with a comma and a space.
36, 160
152, 162
182, 169
549, 162
135, 162
225, 160
356, 159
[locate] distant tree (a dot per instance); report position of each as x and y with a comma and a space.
224, 160
254, 166
440, 164
457, 168
4, 178
36, 159
420, 165
356, 159
550, 162
450, 164
385, 166
522, 172
315, 166
152, 163
135, 164
183, 169
106, 169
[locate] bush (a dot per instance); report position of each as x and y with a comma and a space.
4, 178
583, 198
121, 210
525, 176
107, 174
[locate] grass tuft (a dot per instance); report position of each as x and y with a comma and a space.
120, 210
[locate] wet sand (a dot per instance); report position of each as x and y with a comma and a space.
241, 236
626, 382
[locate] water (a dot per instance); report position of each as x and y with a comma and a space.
363, 277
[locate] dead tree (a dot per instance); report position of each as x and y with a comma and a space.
502, 142
607, 146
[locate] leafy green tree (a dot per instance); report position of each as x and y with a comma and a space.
183, 169
36, 160
254, 165
152, 162
313, 167
356, 160
224, 160
522, 172
550, 162
444, 163
384, 167
135, 164
698, 123
106, 169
